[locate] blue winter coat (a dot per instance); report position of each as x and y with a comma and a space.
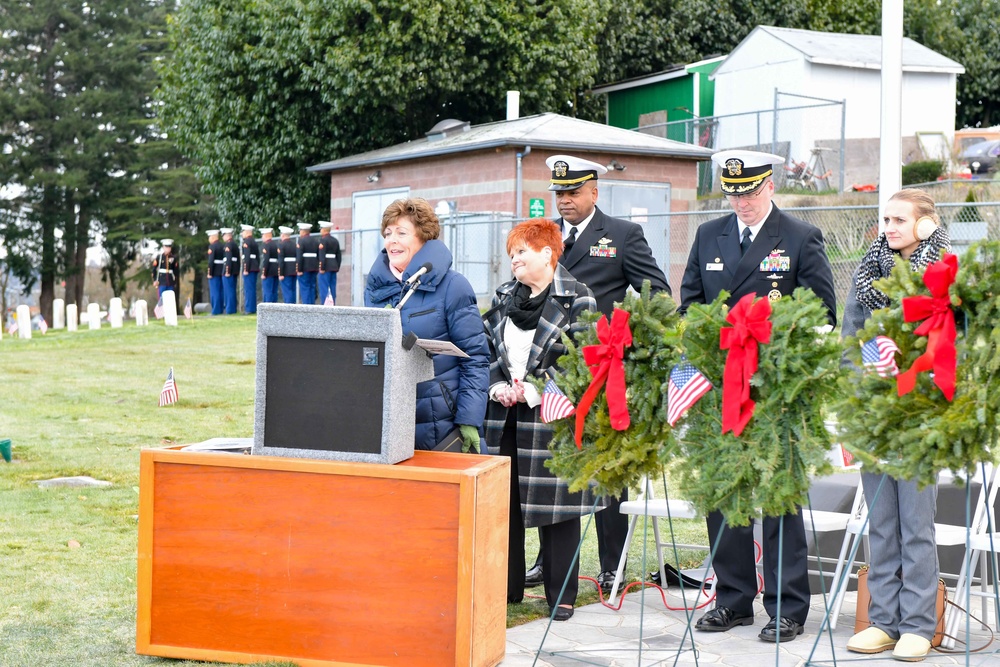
442, 308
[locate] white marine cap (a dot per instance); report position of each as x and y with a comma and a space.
305, 225
247, 228
266, 230
569, 173
285, 230
166, 242
226, 230
212, 232
325, 224
744, 171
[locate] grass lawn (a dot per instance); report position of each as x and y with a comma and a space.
85, 404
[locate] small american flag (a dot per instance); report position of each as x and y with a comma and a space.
686, 386
329, 300
12, 329
880, 353
43, 326
158, 309
555, 404
168, 394
188, 313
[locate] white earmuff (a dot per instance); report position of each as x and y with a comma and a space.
924, 227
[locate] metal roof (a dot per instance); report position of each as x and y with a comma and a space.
545, 131
674, 72
860, 51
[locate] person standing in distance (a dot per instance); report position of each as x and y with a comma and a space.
329, 263
608, 255
216, 270
251, 267
231, 253
166, 269
307, 263
270, 265
287, 250
738, 253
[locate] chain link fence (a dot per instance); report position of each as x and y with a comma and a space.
477, 241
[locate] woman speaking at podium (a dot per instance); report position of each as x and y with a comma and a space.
414, 269
526, 324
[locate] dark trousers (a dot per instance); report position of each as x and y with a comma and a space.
612, 530
736, 575
307, 288
288, 289
229, 294
215, 294
559, 541
269, 287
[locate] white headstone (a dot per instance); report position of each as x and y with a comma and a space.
71, 317
94, 316
23, 322
170, 308
116, 313
58, 314
141, 313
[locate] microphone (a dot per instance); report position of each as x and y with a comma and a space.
419, 272
412, 283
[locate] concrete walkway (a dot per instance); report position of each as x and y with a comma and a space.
598, 635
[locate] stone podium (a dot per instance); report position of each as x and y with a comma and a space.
335, 384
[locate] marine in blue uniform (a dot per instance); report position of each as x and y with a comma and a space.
166, 269
307, 263
270, 265
329, 263
231, 254
287, 249
251, 267
216, 270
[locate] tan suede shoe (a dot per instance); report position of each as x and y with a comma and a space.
870, 640
911, 647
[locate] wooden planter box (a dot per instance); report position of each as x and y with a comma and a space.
253, 558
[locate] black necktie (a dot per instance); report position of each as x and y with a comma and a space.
745, 243
570, 240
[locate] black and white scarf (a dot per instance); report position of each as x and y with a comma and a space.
525, 310
880, 258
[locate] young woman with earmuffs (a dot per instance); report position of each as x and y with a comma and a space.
903, 577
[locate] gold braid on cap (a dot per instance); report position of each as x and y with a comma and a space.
749, 179
571, 181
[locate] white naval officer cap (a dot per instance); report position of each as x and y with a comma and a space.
305, 225
212, 232
285, 230
325, 224
744, 171
569, 173
226, 230
246, 228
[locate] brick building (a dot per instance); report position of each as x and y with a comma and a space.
483, 178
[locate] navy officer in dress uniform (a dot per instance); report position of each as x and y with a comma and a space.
231, 253
251, 267
270, 264
166, 269
759, 250
287, 249
329, 262
216, 269
608, 255
307, 263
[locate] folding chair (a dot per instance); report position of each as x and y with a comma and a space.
647, 505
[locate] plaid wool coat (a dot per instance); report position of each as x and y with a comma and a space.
545, 499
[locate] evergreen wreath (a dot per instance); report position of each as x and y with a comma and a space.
916, 435
611, 460
767, 467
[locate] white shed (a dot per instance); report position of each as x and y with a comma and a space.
778, 68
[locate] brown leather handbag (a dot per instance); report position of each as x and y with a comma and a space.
864, 599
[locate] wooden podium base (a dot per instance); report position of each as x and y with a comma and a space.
253, 558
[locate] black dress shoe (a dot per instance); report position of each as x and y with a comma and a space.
721, 619
606, 580
533, 577
562, 614
785, 628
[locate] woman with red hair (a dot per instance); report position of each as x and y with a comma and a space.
525, 326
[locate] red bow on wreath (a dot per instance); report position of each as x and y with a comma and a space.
607, 362
938, 326
751, 326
